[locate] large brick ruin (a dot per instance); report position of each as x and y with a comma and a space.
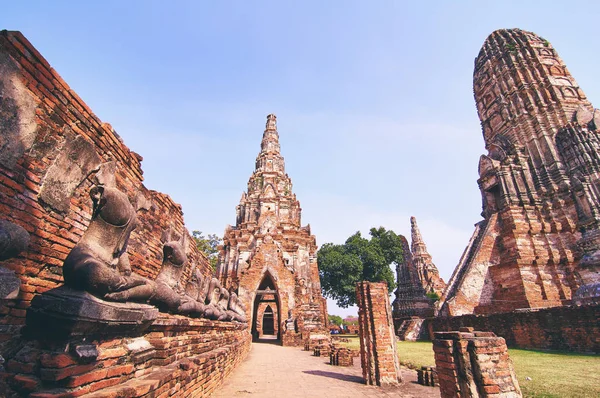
537, 245
57, 340
269, 257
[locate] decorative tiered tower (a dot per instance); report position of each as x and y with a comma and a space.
411, 305
268, 257
538, 242
428, 272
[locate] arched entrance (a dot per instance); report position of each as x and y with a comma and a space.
266, 311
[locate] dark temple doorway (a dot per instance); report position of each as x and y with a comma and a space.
267, 324
266, 311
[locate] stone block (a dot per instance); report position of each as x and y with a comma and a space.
63, 312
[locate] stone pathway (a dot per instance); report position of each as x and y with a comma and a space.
275, 371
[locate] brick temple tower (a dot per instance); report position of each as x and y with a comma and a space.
269, 257
411, 305
428, 272
538, 243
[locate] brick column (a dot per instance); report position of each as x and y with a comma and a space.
378, 356
474, 364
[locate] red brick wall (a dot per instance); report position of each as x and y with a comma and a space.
561, 328
177, 357
378, 356
58, 115
39, 117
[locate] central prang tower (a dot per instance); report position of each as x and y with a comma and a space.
268, 257
539, 242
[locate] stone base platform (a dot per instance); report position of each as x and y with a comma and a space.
63, 313
175, 357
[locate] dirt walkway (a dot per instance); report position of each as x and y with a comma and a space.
275, 371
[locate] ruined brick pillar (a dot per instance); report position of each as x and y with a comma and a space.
378, 356
474, 364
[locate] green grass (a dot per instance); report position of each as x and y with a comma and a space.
354, 342
414, 354
552, 374
557, 374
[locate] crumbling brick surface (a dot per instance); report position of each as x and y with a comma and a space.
180, 355
573, 328
474, 364
378, 356
538, 182
50, 120
53, 149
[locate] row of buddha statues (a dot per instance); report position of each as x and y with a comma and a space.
99, 264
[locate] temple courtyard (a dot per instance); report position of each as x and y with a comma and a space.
105, 293
274, 371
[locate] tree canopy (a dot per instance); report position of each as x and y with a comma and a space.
358, 259
335, 319
208, 245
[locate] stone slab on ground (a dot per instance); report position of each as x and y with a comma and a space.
273, 371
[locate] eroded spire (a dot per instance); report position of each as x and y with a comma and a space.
417, 245
428, 272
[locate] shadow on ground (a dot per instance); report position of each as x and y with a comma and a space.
334, 375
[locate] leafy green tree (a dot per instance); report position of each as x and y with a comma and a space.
335, 319
358, 259
208, 245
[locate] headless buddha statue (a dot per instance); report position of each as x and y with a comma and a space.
235, 308
169, 293
99, 263
213, 309
195, 292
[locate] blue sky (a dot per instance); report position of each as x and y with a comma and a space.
374, 99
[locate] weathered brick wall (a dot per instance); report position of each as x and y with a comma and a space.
40, 118
177, 357
378, 356
562, 328
53, 149
474, 364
